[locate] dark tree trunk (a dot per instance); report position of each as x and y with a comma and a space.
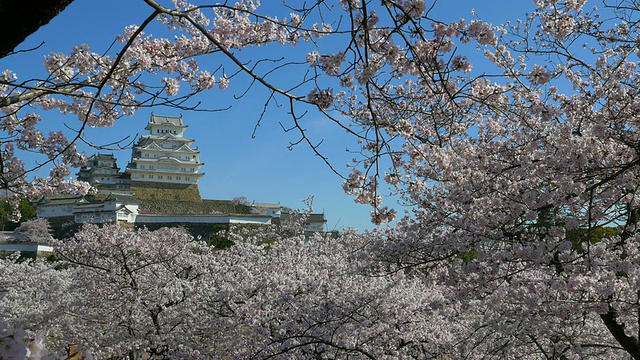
21, 18
628, 343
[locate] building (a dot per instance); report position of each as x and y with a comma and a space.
102, 172
272, 209
316, 223
204, 219
124, 208
28, 250
165, 155
115, 207
312, 223
160, 186
110, 208
56, 207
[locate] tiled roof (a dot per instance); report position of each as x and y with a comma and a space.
169, 120
267, 205
59, 201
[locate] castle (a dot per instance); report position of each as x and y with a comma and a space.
158, 186
163, 156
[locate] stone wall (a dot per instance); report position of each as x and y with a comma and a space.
165, 191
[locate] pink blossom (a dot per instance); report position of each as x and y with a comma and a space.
482, 32
539, 75
171, 86
323, 98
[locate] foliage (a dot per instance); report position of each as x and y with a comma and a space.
26, 210
63, 227
218, 237
213, 235
585, 237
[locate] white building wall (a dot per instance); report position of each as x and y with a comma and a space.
56, 210
129, 213
203, 219
25, 247
95, 217
315, 227
164, 178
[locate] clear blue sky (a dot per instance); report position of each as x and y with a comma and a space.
260, 168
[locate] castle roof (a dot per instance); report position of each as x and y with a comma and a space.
164, 159
58, 201
174, 121
168, 137
266, 205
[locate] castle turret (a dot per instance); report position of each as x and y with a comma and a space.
102, 172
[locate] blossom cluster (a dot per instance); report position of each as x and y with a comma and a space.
165, 294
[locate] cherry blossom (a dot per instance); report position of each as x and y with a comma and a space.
35, 230
520, 239
120, 291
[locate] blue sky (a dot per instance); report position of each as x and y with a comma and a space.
262, 168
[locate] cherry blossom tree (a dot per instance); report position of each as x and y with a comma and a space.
511, 173
516, 146
157, 307
15, 344
35, 230
28, 289
119, 291
241, 200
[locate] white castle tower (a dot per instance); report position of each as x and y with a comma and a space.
165, 155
